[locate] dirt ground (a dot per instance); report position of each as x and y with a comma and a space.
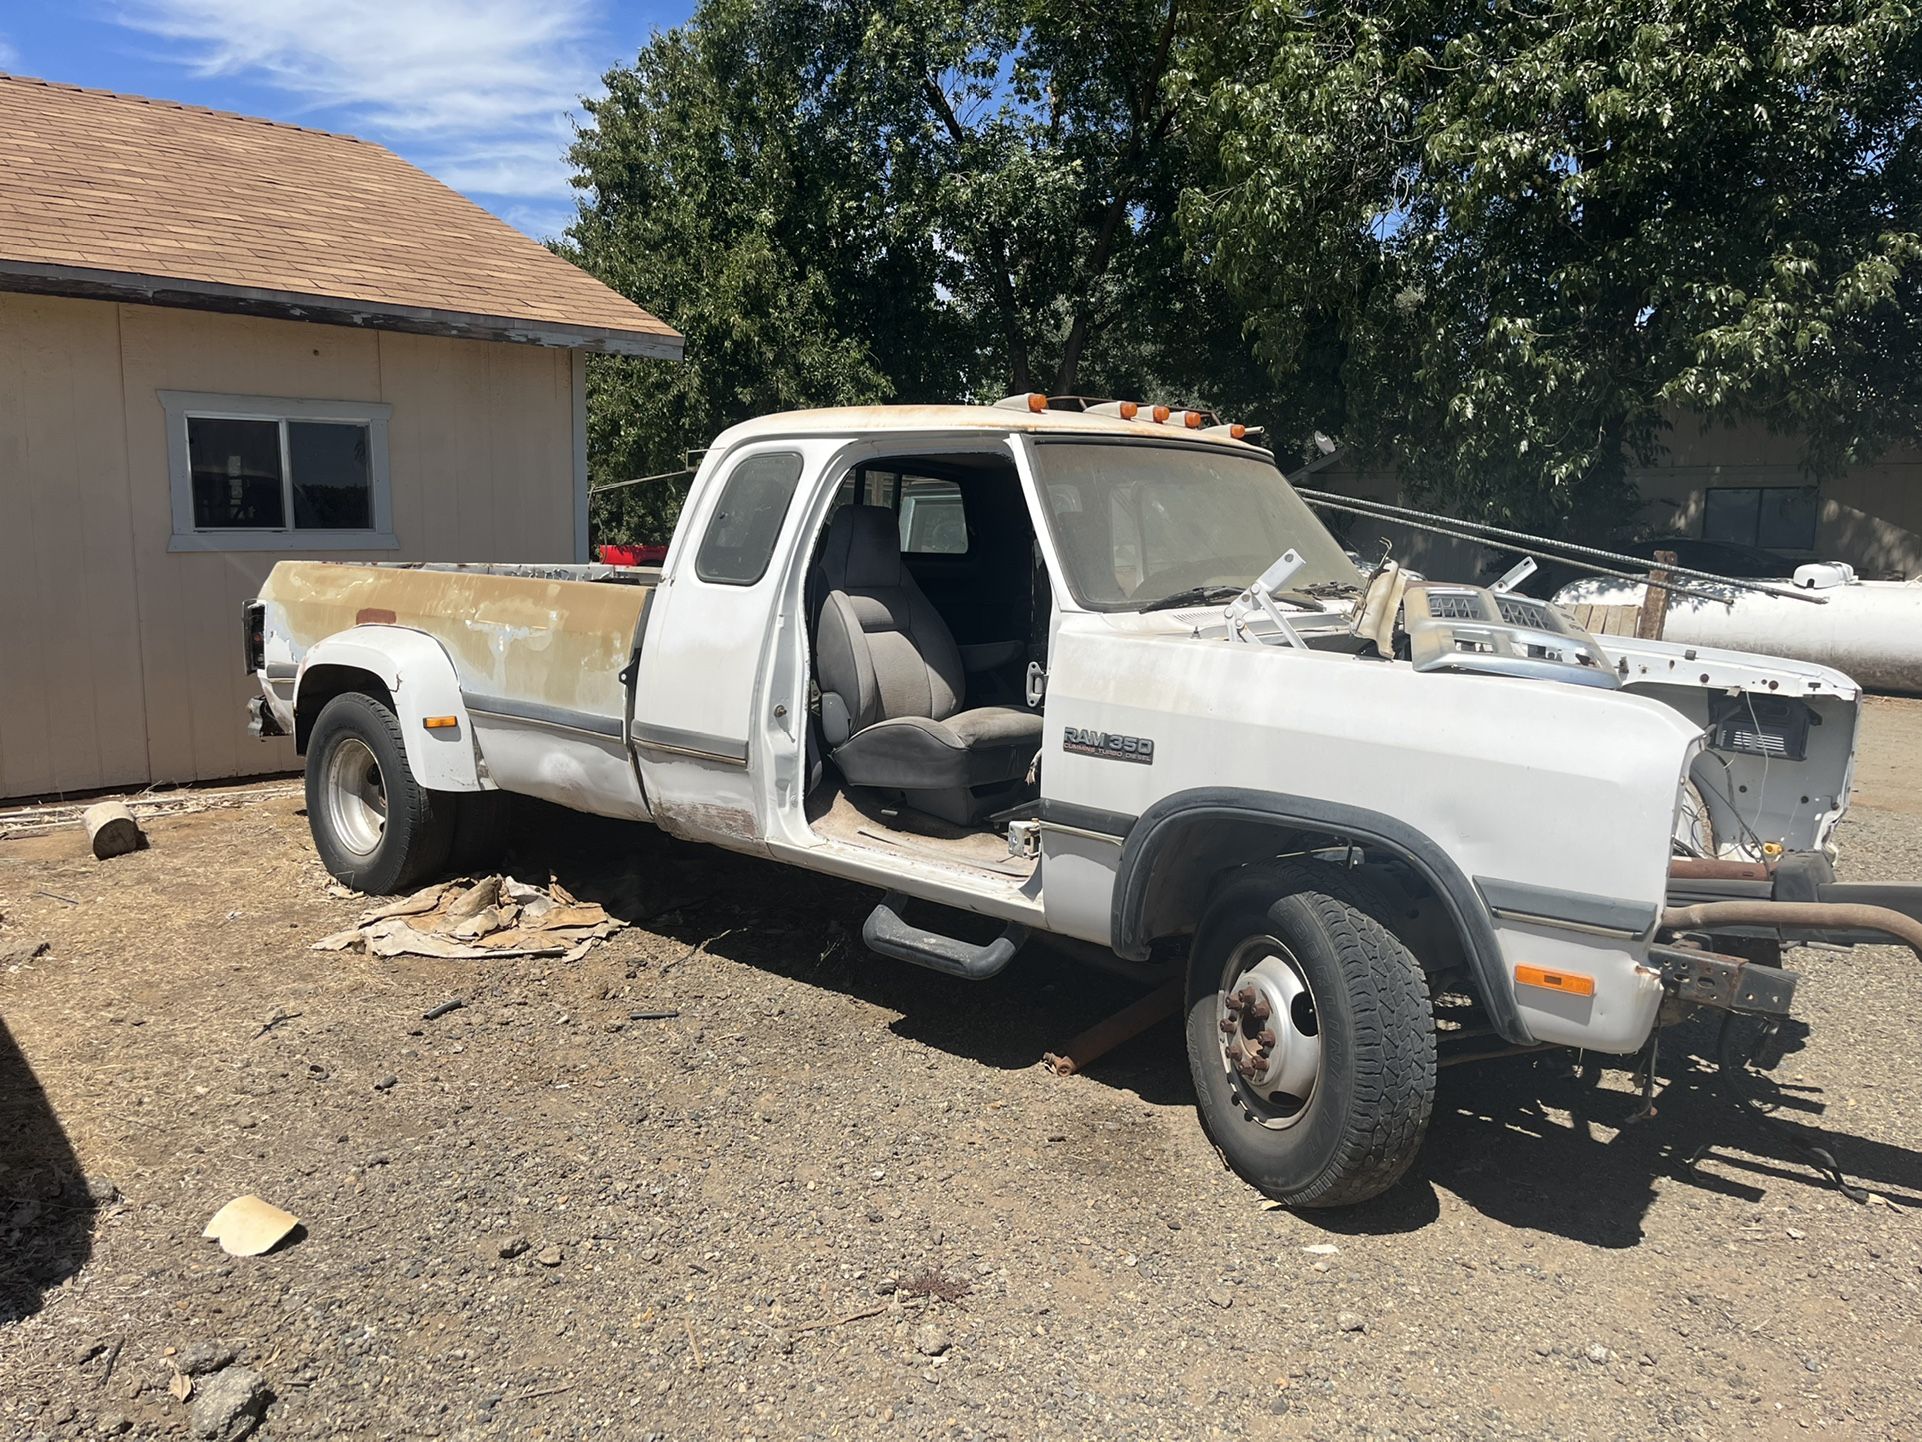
835, 1196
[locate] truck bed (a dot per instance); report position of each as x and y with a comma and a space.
556, 636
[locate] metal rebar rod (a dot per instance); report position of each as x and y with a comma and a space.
1382, 510
1674, 587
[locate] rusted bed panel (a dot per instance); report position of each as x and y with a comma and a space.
527, 637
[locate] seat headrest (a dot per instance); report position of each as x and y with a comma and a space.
862, 551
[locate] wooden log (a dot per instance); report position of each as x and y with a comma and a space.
111, 828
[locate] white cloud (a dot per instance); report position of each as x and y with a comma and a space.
478, 91
9, 56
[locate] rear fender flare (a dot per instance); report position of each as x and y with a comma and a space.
419, 680
1154, 840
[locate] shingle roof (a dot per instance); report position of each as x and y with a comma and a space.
117, 195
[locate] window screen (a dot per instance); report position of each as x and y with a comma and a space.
236, 474
332, 484
740, 538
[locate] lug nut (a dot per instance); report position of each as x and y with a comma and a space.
1230, 1027
1267, 1039
1260, 1010
1233, 1002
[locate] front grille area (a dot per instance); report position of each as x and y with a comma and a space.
1453, 605
1519, 612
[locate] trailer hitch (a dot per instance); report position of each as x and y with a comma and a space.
1726, 983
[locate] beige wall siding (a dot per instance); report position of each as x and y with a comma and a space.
120, 661
71, 703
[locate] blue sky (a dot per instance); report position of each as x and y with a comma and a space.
480, 93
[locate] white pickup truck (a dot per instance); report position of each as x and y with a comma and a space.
1100, 673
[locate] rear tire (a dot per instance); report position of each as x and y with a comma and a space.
1311, 1039
375, 827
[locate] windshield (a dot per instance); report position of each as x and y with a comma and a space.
1138, 523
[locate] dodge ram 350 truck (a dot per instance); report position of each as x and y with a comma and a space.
1101, 674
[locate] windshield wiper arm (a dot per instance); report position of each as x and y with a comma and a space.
1194, 596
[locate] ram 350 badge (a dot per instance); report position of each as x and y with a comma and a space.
1083, 742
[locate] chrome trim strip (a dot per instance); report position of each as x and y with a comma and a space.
1568, 910
697, 744
535, 713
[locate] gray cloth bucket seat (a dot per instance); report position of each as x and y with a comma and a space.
892, 682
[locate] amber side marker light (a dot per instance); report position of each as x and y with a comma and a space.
1571, 983
439, 723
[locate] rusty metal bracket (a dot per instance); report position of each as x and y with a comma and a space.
1726, 983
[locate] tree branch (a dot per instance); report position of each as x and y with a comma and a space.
999, 279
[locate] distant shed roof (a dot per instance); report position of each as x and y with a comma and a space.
120, 197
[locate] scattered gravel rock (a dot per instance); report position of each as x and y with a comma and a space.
1351, 1322
1599, 1355
229, 1405
550, 1256
512, 1247
102, 1192
930, 1340
197, 1359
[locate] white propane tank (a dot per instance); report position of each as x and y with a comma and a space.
1871, 630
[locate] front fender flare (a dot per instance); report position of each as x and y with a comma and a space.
1155, 829
420, 680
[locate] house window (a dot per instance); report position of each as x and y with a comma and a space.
1774, 518
252, 473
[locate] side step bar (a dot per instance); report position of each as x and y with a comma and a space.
887, 933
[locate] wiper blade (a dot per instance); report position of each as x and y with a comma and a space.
1194, 596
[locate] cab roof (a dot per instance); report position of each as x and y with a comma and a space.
855, 421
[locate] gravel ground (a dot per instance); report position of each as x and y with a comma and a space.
834, 1196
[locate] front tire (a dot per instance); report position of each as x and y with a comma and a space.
1311, 1039
375, 827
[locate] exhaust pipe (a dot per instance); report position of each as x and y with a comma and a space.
1797, 915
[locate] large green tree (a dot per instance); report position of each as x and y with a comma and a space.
923, 201
1507, 239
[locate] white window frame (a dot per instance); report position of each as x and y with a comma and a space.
181, 406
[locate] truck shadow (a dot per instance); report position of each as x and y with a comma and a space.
1524, 1140
46, 1215
1529, 1142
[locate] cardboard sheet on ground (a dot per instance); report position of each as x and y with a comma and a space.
247, 1226
473, 920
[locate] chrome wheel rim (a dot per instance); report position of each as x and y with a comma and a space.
356, 796
1270, 1033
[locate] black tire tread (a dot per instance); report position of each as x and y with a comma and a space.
1394, 1029
429, 830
